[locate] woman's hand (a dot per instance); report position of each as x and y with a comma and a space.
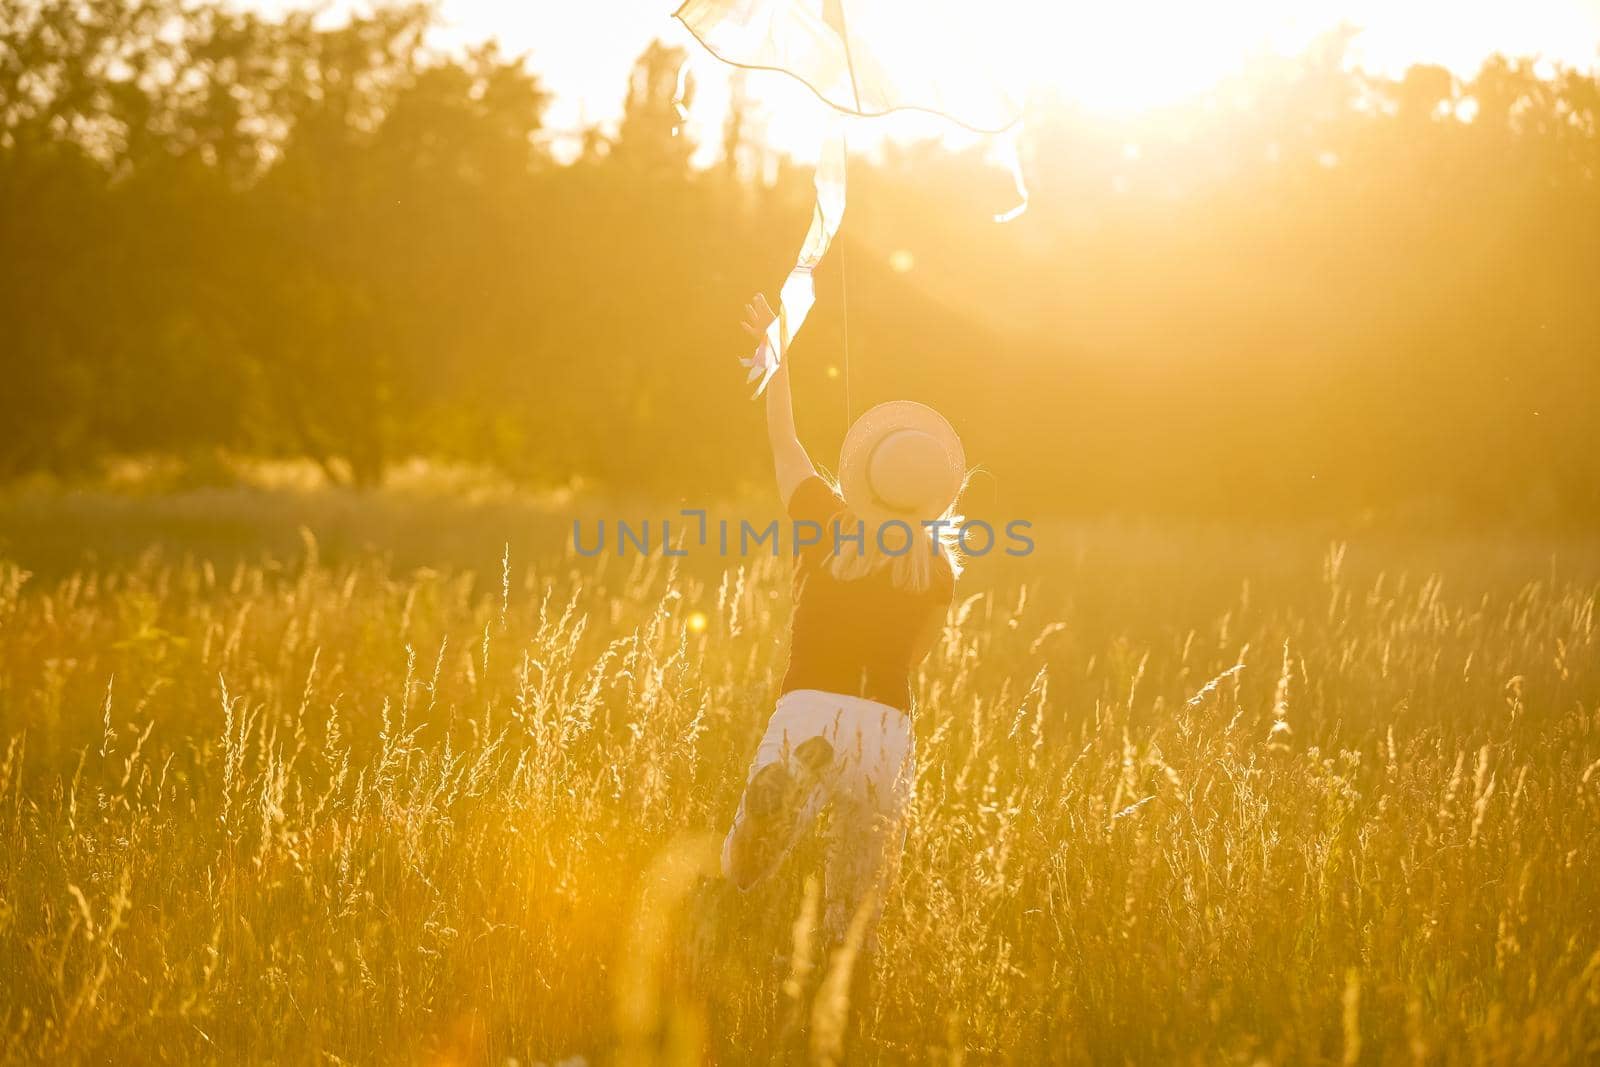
767, 361
758, 315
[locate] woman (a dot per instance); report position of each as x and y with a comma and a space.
871, 595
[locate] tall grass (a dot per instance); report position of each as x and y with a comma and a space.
305, 811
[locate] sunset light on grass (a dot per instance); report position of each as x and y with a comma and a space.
820, 532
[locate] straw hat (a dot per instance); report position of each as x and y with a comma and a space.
901, 460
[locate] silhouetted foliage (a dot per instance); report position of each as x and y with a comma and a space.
1315, 290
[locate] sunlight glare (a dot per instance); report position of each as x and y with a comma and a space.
1115, 60
1130, 57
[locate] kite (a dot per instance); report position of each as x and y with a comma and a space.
863, 58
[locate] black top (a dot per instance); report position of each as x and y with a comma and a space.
856, 637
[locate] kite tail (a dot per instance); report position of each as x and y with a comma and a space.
799, 292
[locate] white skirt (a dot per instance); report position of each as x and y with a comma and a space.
868, 785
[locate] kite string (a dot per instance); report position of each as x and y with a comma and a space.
844, 298
843, 29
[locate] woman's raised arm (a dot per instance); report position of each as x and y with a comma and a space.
790, 462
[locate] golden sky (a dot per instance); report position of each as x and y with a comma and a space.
1115, 57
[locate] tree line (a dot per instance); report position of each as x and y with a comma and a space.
1314, 289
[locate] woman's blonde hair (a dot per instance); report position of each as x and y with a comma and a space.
910, 570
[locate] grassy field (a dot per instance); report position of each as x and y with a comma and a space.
385, 793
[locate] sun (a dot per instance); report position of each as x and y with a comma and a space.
1130, 57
